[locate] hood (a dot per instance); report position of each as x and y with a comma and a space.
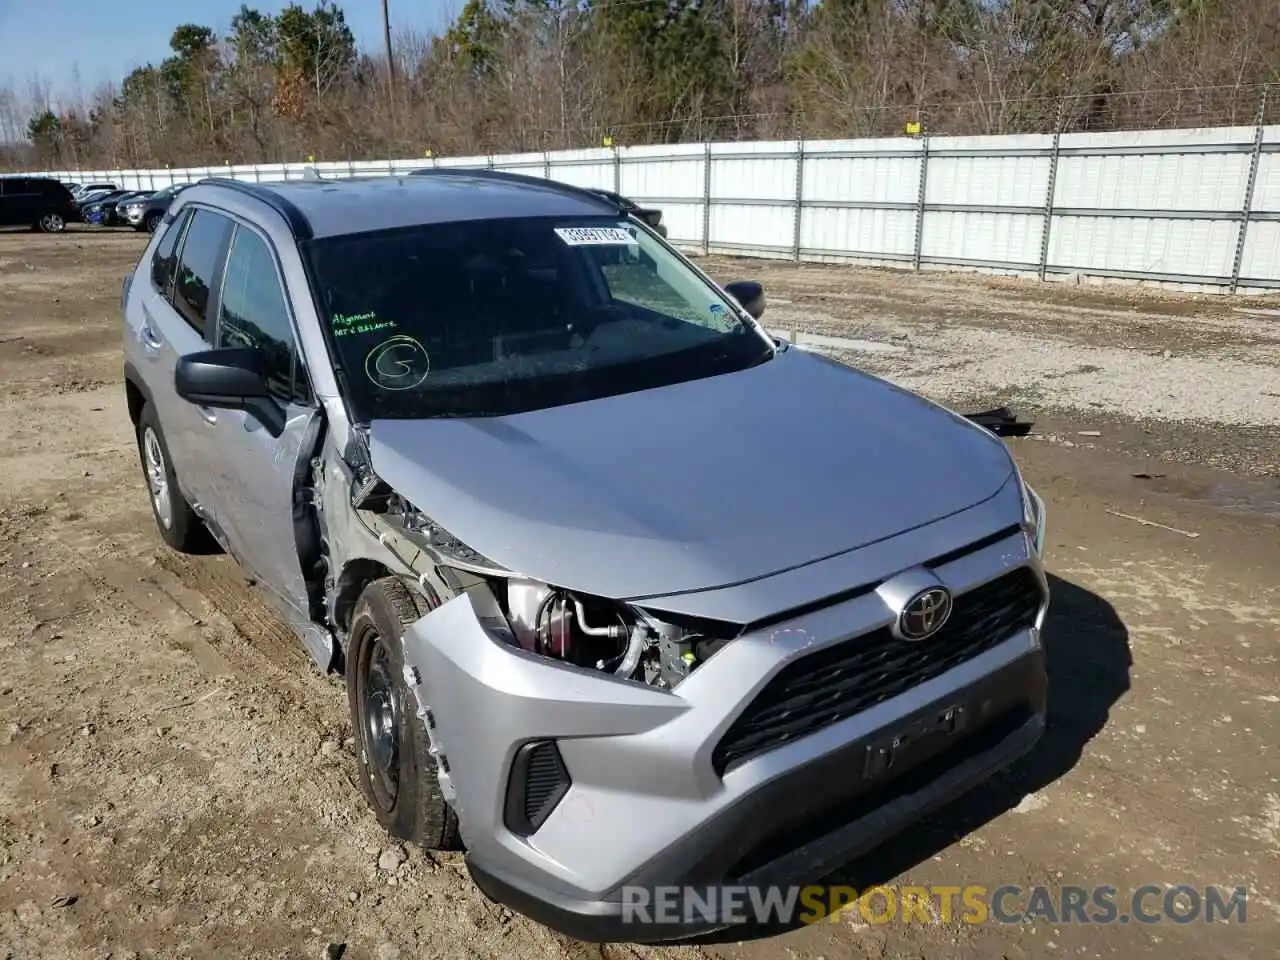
696, 485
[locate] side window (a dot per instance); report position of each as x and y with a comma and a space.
206, 239
165, 259
253, 312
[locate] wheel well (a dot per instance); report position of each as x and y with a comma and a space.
136, 401
356, 575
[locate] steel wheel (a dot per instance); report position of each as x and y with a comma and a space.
52, 223
398, 773
157, 477
380, 730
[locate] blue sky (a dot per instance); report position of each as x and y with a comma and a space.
104, 40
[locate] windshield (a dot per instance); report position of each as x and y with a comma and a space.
491, 317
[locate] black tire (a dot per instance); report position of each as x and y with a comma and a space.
397, 771
181, 529
51, 222
152, 221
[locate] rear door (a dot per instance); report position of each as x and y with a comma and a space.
19, 202
172, 317
254, 500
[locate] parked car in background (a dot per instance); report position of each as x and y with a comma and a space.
39, 202
82, 191
116, 216
105, 212
146, 212
96, 210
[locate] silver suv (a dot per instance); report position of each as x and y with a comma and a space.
627, 593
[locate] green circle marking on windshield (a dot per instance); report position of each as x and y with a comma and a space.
400, 363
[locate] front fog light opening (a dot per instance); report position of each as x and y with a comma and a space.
539, 781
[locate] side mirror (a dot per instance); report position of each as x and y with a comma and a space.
227, 378
233, 378
750, 294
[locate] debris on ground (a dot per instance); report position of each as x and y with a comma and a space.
391, 858
1152, 523
1001, 421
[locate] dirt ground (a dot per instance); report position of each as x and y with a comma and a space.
176, 781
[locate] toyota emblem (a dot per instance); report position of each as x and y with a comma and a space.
925, 614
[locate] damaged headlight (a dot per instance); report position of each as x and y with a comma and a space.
656, 648
584, 630
597, 633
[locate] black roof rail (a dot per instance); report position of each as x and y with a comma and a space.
582, 193
298, 223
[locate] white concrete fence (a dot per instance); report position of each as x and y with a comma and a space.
1194, 209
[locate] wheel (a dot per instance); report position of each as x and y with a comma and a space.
152, 222
397, 771
52, 223
179, 525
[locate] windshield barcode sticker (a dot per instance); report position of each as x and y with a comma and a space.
596, 236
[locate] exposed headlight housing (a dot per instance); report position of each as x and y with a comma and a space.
586, 631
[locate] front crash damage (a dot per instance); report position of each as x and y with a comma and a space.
481, 698
573, 785
593, 745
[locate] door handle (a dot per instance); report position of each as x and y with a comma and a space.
149, 337
208, 415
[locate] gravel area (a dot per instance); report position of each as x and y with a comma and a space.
1179, 370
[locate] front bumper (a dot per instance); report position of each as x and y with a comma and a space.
643, 804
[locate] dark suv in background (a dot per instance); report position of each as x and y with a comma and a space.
39, 202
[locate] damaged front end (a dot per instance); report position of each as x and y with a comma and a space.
620, 639
591, 744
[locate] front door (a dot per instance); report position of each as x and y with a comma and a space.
255, 480
169, 318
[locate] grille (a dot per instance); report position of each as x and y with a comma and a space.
839, 682
538, 782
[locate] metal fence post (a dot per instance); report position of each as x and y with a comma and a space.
546, 164
795, 247
924, 179
706, 199
617, 170
1246, 211
1050, 192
